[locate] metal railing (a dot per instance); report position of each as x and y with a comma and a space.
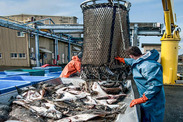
24, 28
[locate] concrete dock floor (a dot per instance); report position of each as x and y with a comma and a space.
174, 103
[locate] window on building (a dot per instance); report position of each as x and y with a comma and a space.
20, 34
13, 55
0, 55
22, 55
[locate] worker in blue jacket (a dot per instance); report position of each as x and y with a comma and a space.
147, 74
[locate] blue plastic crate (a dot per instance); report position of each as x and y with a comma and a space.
54, 74
6, 74
54, 69
32, 79
49, 69
9, 85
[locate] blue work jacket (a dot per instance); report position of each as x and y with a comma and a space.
148, 76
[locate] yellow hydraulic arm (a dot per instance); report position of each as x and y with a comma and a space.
169, 44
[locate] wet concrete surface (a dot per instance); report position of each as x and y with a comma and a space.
174, 103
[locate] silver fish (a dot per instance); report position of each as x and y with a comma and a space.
70, 97
96, 87
78, 118
51, 112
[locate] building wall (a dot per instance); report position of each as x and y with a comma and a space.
10, 43
44, 43
57, 19
63, 52
148, 48
48, 44
76, 35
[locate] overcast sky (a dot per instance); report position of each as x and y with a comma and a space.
141, 11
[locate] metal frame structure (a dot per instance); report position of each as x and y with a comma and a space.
136, 29
144, 29
24, 28
64, 28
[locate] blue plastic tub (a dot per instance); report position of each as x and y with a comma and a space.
32, 72
53, 74
32, 79
49, 69
8, 86
6, 74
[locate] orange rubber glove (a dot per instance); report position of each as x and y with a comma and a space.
121, 60
143, 99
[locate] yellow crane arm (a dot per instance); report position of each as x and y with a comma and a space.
168, 5
169, 44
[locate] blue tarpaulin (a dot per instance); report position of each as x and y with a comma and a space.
6, 74
32, 72
49, 69
32, 79
7, 86
54, 74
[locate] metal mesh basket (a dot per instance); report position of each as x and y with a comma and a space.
106, 35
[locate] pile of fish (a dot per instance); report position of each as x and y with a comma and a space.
69, 102
4, 111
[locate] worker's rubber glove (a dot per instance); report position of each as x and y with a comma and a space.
121, 60
143, 99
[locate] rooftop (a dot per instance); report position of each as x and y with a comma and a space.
38, 15
150, 44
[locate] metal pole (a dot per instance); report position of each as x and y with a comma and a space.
69, 50
56, 50
37, 49
135, 35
